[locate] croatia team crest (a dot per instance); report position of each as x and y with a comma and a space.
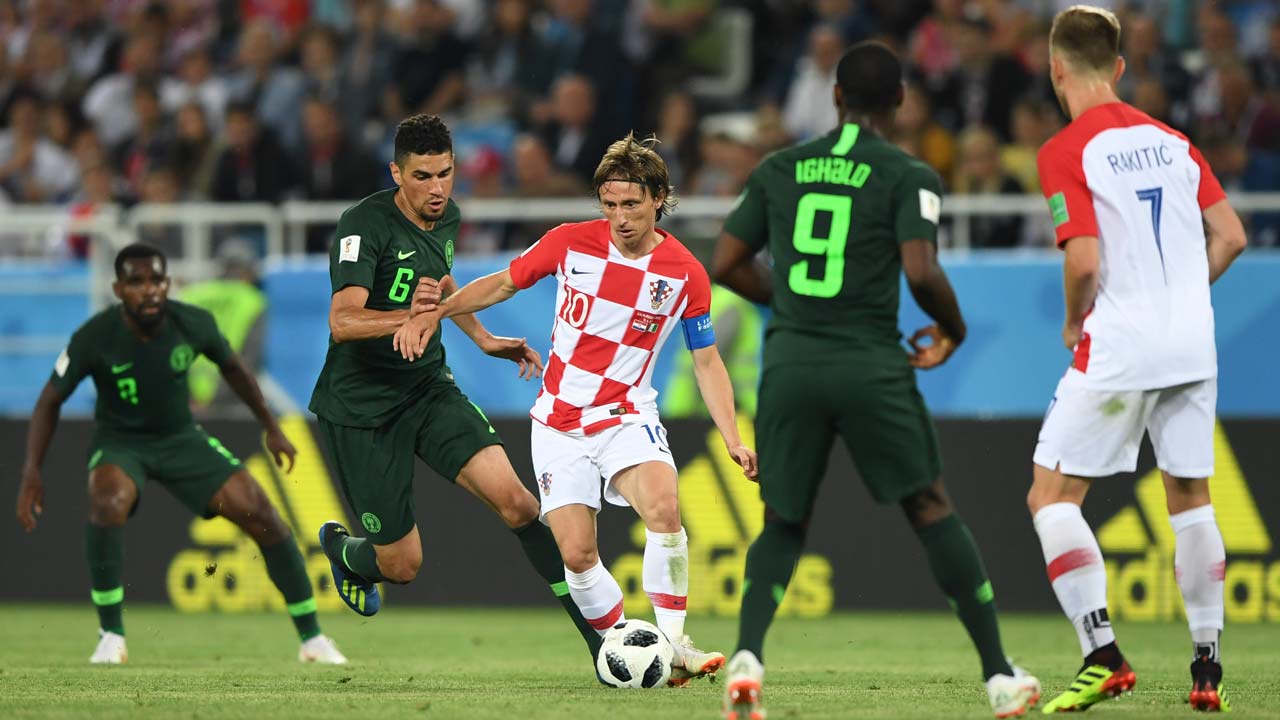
545, 483
659, 292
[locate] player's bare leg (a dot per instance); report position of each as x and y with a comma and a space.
651, 488
112, 495
489, 476
1200, 566
1079, 579
242, 501
957, 568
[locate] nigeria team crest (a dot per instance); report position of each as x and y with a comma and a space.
659, 292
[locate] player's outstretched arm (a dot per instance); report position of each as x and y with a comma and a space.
240, 379
350, 320
411, 339
1225, 237
933, 293
735, 266
717, 393
1080, 270
44, 420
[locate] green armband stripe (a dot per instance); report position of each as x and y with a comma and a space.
302, 608
560, 589
107, 597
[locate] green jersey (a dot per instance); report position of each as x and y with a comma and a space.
365, 382
833, 212
142, 384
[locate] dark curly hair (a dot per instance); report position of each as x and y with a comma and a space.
138, 251
422, 135
635, 161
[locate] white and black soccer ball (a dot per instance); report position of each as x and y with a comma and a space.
635, 654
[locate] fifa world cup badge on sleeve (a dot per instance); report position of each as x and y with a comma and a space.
349, 249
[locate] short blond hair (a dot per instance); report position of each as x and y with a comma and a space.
1087, 38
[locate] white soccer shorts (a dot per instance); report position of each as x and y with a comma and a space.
1096, 433
578, 469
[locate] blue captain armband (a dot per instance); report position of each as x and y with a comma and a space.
698, 332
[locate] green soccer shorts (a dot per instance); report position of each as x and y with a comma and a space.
375, 465
874, 407
190, 463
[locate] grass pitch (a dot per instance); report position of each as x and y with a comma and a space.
457, 663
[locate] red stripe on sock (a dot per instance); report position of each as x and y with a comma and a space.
669, 602
1218, 572
608, 620
1072, 560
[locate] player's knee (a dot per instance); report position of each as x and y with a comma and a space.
663, 514
927, 506
519, 509
109, 505
579, 558
400, 567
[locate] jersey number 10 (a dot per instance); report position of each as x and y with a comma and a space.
831, 247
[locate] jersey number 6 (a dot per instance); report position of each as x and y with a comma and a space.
831, 247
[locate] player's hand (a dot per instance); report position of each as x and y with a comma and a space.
280, 448
426, 297
30, 498
1071, 335
412, 337
746, 457
517, 351
925, 357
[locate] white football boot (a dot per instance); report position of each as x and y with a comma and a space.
321, 649
1012, 696
111, 649
743, 691
689, 662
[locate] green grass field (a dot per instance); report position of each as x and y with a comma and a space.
411, 663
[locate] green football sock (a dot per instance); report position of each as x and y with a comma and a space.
770, 563
957, 568
104, 547
540, 547
289, 573
356, 554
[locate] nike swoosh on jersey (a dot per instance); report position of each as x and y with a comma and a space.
401, 255
576, 271
117, 369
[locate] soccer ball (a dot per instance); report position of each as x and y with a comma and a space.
635, 654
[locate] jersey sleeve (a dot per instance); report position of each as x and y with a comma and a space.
696, 320
1064, 186
73, 363
354, 255
541, 258
1210, 190
747, 219
917, 202
209, 340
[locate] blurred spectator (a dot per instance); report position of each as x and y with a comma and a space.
61, 123
932, 50
237, 304
98, 188
426, 76
195, 152
917, 133
36, 17
1244, 114
536, 177
48, 70
1018, 158
149, 144
1266, 69
334, 168
577, 44
285, 17
274, 91
89, 39
160, 187
88, 150
666, 39
1146, 60
678, 136
576, 138
810, 109
983, 88
321, 70
1217, 47
33, 169
253, 167
728, 155
1150, 97
109, 102
366, 70
197, 82
481, 175
1009, 20
980, 172
510, 67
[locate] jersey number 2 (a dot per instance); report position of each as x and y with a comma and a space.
831, 247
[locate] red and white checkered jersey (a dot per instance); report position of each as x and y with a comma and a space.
613, 315
1139, 186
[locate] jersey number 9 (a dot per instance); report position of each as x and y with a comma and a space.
831, 247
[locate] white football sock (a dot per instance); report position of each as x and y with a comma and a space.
666, 579
597, 595
1075, 568
1200, 564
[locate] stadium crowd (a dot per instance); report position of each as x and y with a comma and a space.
266, 100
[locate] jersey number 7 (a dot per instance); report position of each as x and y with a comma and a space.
831, 247
1155, 196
